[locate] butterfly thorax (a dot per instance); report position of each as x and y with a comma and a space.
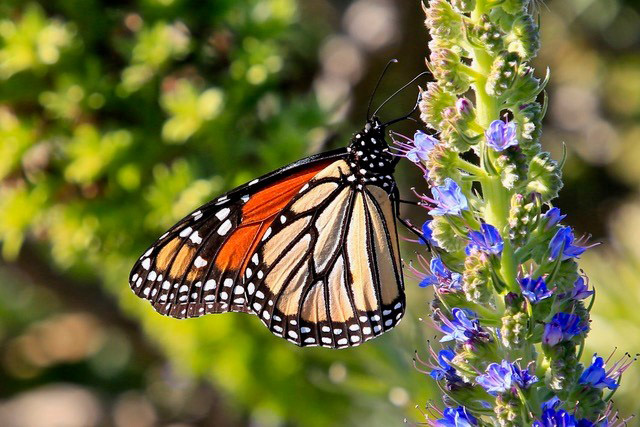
369, 158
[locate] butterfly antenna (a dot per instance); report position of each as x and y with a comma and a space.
400, 90
375, 89
406, 116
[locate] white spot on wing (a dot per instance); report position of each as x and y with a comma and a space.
222, 213
255, 181
228, 283
211, 284
200, 262
195, 238
186, 232
224, 228
146, 263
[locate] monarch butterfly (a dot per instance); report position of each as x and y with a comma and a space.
311, 249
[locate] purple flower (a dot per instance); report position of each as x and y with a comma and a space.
563, 327
596, 376
445, 356
442, 276
503, 377
553, 218
535, 290
427, 234
422, 146
562, 242
487, 240
554, 417
456, 417
501, 135
448, 198
464, 327
580, 290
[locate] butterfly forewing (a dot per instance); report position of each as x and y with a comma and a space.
328, 272
195, 268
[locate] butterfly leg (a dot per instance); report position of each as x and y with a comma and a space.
415, 231
409, 202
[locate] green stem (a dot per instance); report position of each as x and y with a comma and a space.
471, 168
496, 196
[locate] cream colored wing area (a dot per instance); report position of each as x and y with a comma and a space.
360, 265
328, 273
328, 225
385, 245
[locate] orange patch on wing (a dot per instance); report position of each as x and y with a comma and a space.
166, 254
237, 247
268, 202
258, 214
182, 261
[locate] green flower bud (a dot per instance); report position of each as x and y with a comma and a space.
507, 411
487, 34
464, 6
503, 73
544, 176
476, 278
441, 164
526, 86
433, 102
563, 369
512, 167
448, 69
515, 6
455, 129
443, 21
445, 235
524, 38
514, 329
522, 218
591, 403
529, 120
566, 275
580, 310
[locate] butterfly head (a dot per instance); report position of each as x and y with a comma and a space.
370, 160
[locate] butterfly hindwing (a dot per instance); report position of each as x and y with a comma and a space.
194, 268
328, 272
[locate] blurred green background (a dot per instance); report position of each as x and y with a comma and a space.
119, 117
